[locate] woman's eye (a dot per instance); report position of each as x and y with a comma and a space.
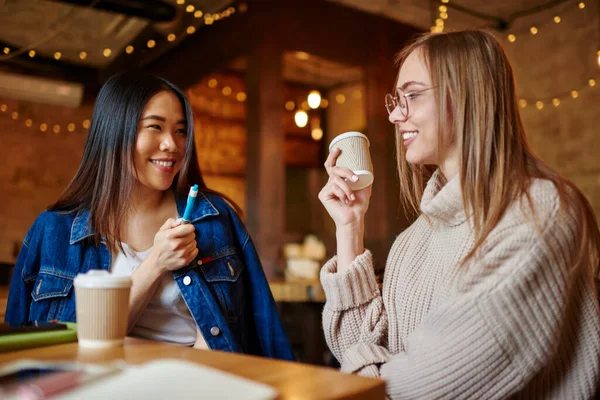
181, 131
157, 127
412, 96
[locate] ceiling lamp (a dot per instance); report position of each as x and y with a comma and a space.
301, 118
314, 99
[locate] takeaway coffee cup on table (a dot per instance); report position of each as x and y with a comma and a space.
102, 308
355, 156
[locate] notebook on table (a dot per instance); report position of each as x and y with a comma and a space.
18, 341
171, 379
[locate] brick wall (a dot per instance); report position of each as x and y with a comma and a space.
558, 59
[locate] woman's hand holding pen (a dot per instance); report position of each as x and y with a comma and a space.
174, 246
345, 206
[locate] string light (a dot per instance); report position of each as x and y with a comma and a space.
209, 20
443, 15
581, 5
44, 126
556, 101
557, 19
512, 38
290, 105
340, 98
533, 30
226, 91
241, 97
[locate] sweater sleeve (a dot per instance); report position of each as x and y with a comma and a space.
354, 312
496, 330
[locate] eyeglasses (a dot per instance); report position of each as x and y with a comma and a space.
402, 99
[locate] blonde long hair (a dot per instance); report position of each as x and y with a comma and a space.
477, 104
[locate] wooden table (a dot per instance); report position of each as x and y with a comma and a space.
291, 380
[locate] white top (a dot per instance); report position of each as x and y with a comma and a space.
166, 317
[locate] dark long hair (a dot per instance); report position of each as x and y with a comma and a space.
105, 180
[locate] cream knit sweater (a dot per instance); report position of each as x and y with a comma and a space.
521, 321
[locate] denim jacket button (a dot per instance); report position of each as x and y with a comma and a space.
199, 262
187, 280
215, 330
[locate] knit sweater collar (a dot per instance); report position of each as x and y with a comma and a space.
443, 202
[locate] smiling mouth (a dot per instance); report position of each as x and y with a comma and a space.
163, 163
409, 135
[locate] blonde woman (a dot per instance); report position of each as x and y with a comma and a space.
491, 292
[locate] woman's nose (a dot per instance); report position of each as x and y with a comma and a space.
168, 143
396, 116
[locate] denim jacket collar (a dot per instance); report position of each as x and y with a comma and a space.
203, 208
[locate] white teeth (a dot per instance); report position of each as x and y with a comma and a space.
409, 135
163, 163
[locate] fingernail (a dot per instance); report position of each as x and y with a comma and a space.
354, 178
352, 197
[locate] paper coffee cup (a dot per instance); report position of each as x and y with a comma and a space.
102, 308
354, 156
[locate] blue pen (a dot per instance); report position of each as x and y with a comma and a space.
190, 204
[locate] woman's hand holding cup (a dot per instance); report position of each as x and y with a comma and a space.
346, 207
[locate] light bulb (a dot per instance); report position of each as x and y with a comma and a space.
316, 134
301, 118
314, 99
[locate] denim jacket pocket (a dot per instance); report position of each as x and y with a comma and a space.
51, 296
224, 276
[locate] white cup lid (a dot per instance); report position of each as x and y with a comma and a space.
347, 135
98, 278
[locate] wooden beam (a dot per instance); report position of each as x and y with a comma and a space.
265, 186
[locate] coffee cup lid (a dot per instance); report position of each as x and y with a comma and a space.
347, 135
98, 278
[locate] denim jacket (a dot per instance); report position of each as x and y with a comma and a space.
227, 295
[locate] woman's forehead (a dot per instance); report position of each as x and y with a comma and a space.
413, 69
